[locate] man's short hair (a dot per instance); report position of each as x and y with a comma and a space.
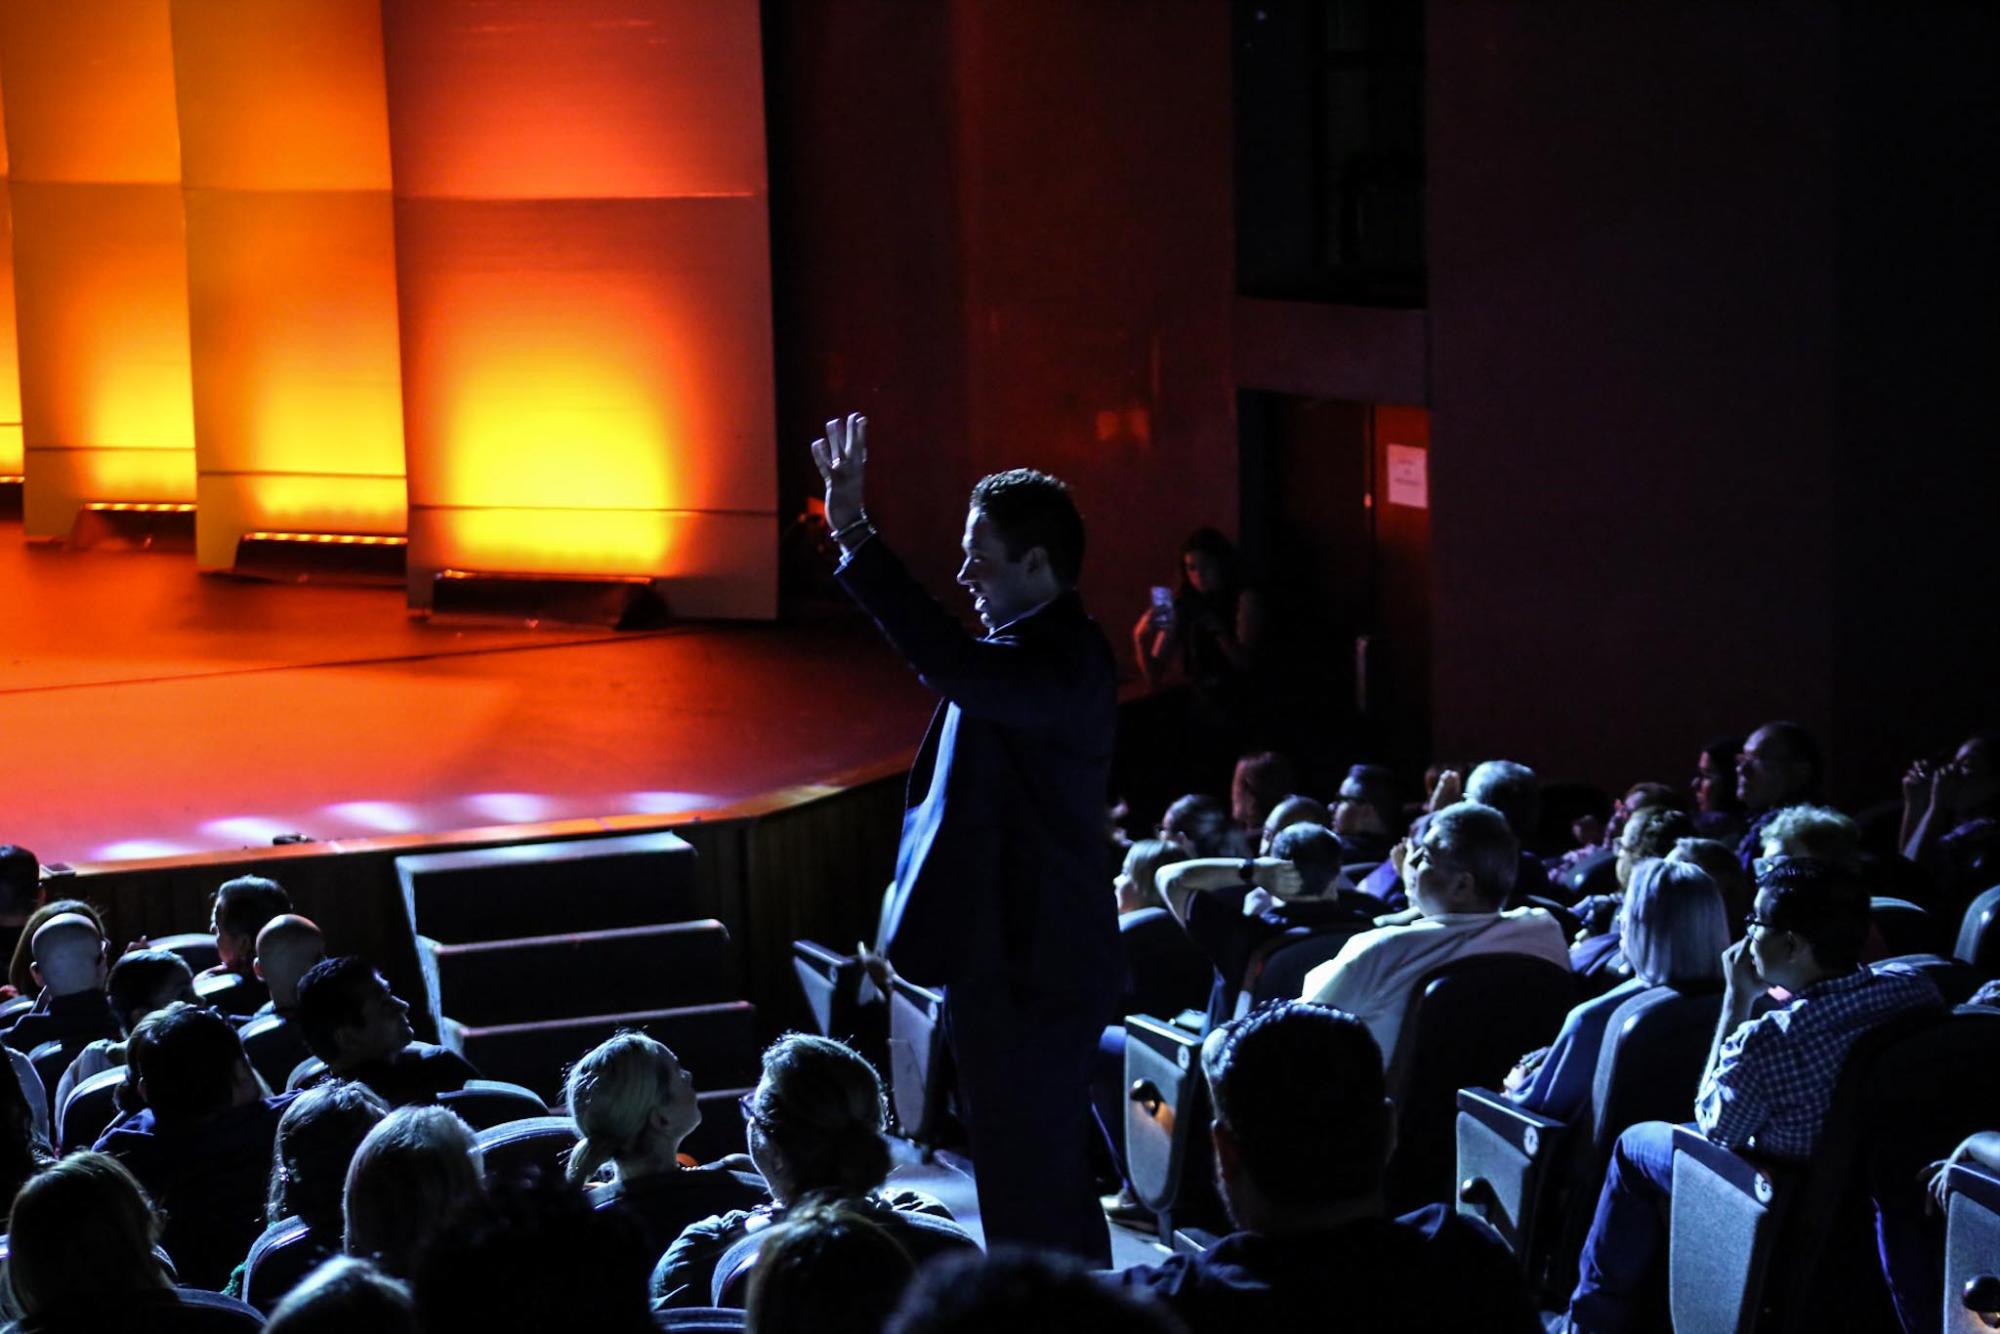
142, 976
1822, 903
1299, 808
1029, 509
1818, 832
244, 904
1652, 831
1511, 789
188, 1058
1011, 1290
1474, 837
20, 880
332, 995
828, 1268
1377, 783
1204, 821
1299, 1086
1315, 850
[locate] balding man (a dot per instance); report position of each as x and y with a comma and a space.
70, 964
287, 946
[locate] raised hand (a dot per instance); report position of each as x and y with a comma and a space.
842, 457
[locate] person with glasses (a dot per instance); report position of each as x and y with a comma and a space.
1769, 1078
814, 1124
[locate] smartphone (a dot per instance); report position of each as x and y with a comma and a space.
1163, 599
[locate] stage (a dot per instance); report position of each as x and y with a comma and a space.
150, 712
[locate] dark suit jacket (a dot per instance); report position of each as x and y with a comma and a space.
1000, 876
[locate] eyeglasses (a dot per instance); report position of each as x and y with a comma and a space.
1753, 920
747, 1104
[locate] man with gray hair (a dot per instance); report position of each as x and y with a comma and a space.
1513, 790
1458, 877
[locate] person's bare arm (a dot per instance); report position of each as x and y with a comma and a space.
1180, 882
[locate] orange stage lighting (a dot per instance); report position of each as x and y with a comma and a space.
584, 279
10, 363
291, 269
99, 257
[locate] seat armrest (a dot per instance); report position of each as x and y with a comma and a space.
1757, 1180
1530, 1132
819, 954
1976, 1184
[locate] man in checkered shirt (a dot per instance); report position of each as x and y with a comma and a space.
1769, 1080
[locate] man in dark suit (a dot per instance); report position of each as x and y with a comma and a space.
1000, 894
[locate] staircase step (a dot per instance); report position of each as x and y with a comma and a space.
716, 1043
584, 972
590, 884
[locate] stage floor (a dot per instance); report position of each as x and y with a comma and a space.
147, 711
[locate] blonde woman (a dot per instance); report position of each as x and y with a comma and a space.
633, 1105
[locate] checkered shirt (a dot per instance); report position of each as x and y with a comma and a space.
1774, 1077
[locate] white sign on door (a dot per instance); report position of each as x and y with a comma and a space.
1409, 476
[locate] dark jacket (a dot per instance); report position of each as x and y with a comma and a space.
1000, 876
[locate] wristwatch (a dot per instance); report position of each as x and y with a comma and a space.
1247, 872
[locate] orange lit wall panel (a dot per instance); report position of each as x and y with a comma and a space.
583, 278
99, 256
10, 374
291, 269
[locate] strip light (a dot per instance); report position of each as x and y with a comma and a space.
137, 507
330, 539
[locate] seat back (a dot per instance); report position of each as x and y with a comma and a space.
273, 1047
1904, 927
1649, 1067
485, 1103
92, 1107
533, 1145
699, 1320
1979, 934
1467, 1023
50, 1059
196, 948
832, 986
305, 1072
919, 1065
278, 1260
14, 1009
1278, 968
1166, 1113
1972, 1249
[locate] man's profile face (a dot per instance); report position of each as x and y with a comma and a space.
1002, 590
1352, 814
384, 1028
1765, 773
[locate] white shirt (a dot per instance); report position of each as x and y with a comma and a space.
1375, 972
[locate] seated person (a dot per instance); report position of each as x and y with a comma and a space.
242, 906
315, 1143
1769, 1080
1367, 814
1022, 1290
535, 1256
21, 968
1199, 825
20, 886
1819, 832
1164, 972
344, 1295
23, 1150
1780, 767
1230, 908
1675, 930
415, 1172
84, 1261
1951, 821
815, 1126
1457, 877
70, 964
1259, 784
1513, 790
141, 982
202, 1144
1717, 812
1648, 833
351, 1020
1295, 809
633, 1104
829, 1268
287, 946
1303, 1128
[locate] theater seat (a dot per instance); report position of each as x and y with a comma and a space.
699, 1320
305, 1072
92, 1107
485, 1103
1979, 934
1904, 927
274, 1048
920, 1078
1167, 1149
833, 985
280, 1259
196, 949
1468, 1021
50, 1059
1278, 968
536, 1144
1972, 1251
14, 1009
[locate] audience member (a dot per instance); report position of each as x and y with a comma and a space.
633, 1104
24, 1151
1294, 809
414, 1172
1367, 813
1649, 833
1259, 783
829, 1268
1164, 972
83, 1260
534, 1255
1675, 928
202, 1144
287, 948
315, 1143
1513, 790
1014, 1291
21, 970
342, 1296
1780, 766
69, 964
1818, 832
1302, 1131
1457, 877
1718, 814
1769, 1079
1231, 908
1200, 827
1719, 860
242, 906
20, 887
141, 982
351, 1020
1213, 628
1951, 821
815, 1127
